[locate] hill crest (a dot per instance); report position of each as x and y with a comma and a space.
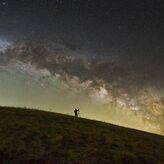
43, 137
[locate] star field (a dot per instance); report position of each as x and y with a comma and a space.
102, 55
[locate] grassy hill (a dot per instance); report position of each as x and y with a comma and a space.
31, 136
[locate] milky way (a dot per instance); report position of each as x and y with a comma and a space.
104, 57
45, 76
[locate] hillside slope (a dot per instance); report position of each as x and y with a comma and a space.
31, 136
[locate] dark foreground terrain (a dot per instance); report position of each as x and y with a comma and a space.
31, 136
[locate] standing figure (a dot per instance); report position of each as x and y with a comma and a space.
76, 112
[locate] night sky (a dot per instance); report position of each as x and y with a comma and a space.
116, 26
104, 56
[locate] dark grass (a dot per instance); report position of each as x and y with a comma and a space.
31, 136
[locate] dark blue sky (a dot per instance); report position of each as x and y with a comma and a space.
115, 27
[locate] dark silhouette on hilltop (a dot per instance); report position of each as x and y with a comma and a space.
76, 111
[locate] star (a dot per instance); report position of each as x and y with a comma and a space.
4, 3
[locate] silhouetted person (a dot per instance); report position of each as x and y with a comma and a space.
76, 112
